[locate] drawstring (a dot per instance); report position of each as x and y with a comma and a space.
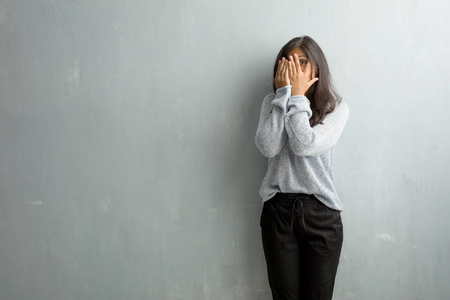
294, 207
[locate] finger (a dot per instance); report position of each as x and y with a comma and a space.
282, 67
285, 69
297, 62
286, 74
311, 82
293, 66
283, 61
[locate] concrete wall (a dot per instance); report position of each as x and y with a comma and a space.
128, 168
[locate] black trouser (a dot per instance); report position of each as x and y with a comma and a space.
302, 240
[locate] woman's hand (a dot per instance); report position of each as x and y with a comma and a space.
300, 81
282, 75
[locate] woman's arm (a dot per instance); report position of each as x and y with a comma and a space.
307, 141
271, 134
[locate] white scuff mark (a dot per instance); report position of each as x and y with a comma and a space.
259, 284
212, 215
35, 202
105, 204
76, 71
386, 237
74, 77
389, 237
175, 292
205, 287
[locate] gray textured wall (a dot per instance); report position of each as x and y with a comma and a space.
128, 168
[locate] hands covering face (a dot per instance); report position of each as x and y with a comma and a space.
290, 72
282, 75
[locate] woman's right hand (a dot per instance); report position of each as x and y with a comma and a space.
282, 75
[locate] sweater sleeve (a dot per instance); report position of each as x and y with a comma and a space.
271, 134
305, 140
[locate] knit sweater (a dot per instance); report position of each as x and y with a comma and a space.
300, 156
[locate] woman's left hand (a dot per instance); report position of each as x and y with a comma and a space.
300, 80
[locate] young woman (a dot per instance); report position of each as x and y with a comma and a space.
299, 125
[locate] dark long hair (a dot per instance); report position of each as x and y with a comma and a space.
322, 94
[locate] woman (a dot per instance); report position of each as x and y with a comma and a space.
299, 125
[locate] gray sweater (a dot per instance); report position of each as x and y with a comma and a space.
300, 156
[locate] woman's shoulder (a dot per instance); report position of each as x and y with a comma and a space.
342, 106
340, 111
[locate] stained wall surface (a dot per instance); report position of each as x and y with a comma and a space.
128, 168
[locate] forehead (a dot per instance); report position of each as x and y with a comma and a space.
298, 51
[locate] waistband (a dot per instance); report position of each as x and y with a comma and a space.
296, 200
305, 198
